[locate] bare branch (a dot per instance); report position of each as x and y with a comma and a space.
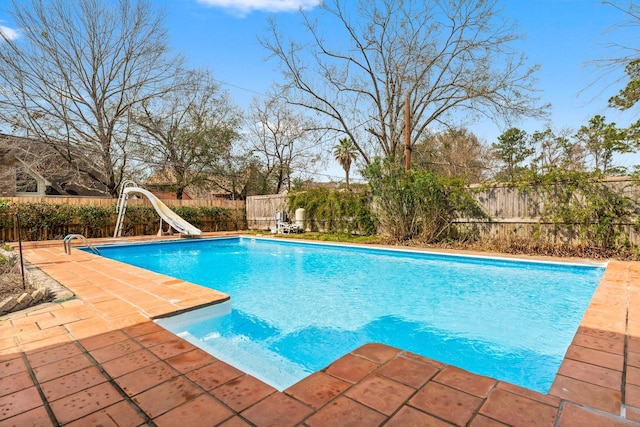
283, 139
188, 130
80, 68
450, 57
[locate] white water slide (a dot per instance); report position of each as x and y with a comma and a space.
167, 215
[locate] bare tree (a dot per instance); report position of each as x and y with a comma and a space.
243, 175
448, 57
622, 63
454, 153
629, 59
73, 77
41, 159
189, 130
619, 41
284, 140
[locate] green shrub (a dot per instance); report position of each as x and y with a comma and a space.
41, 221
32, 220
206, 218
94, 219
220, 217
6, 214
334, 211
582, 203
418, 204
191, 214
140, 220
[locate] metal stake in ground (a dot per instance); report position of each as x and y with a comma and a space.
24, 286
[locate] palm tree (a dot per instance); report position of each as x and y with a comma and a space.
345, 152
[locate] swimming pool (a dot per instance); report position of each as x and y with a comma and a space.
296, 307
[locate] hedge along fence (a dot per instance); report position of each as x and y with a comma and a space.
557, 212
334, 211
44, 220
568, 208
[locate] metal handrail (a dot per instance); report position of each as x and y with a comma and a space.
67, 243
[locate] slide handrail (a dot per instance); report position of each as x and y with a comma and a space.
122, 207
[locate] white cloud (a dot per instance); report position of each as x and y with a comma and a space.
9, 33
244, 7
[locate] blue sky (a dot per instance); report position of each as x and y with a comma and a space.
560, 35
563, 36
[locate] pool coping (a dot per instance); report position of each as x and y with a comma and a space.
599, 378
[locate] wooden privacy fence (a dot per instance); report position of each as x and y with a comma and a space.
517, 212
232, 217
512, 211
506, 202
261, 210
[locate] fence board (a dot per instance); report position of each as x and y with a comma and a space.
261, 210
517, 213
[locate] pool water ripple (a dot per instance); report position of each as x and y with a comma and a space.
296, 307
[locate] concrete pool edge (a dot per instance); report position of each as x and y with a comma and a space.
605, 337
441, 251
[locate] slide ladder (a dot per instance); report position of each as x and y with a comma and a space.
122, 207
167, 215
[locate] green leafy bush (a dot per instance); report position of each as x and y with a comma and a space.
334, 211
583, 204
418, 204
191, 214
207, 218
6, 214
32, 220
95, 219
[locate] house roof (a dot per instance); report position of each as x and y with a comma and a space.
164, 181
42, 160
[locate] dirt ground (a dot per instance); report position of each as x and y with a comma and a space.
11, 276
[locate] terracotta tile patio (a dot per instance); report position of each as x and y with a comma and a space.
99, 359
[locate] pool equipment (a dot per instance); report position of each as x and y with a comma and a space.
300, 217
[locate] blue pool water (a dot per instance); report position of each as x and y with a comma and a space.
296, 307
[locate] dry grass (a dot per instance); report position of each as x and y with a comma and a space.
511, 245
515, 246
11, 276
